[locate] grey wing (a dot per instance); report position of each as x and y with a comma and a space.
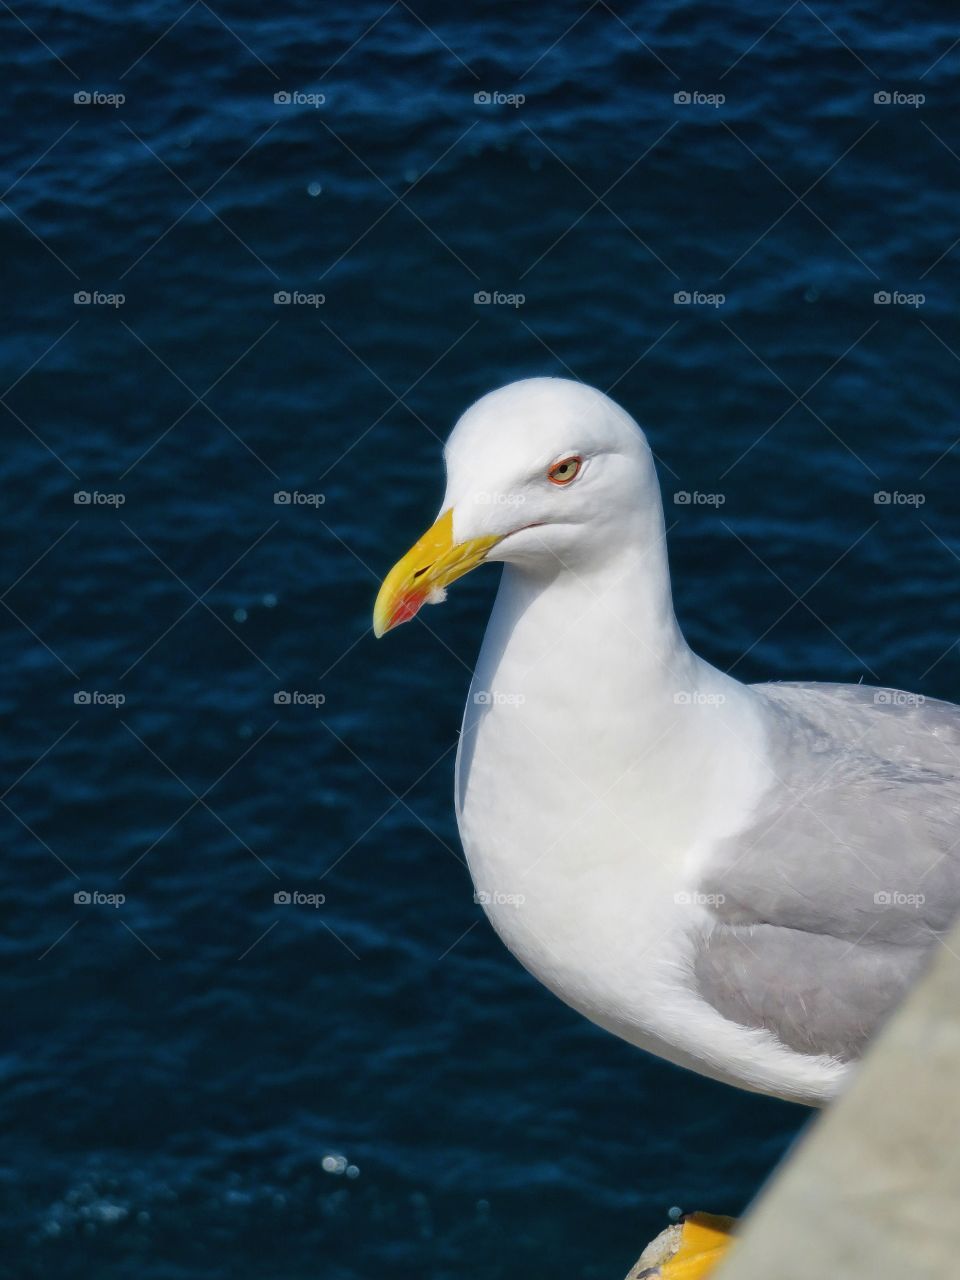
829, 905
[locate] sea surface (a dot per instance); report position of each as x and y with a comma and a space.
201, 1079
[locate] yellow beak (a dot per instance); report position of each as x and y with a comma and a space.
429, 566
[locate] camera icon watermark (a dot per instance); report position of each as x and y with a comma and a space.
494, 898
294, 698
494, 98
894, 298
96, 298
94, 498
686, 498
894, 498
496, 298
486, 498
894, 98
693, 898
497, 698
95, 98
297, 898
294, 498
94, 698
87, 898
897, 698
694, 98
296, 98
296, 298
695, 298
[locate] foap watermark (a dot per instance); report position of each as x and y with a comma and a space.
895, 98
297, 98
897, 698
94, 898
486, 499
294, 498
894, 298
494, 898
496, 298
97, 98
894, 898
496, 698
694, 898
694, 98
297, 898
698, 698
294, 698
684, 498
494, 98
94, 498
296, 298
96, 298
695, 298
95, 698
894, 498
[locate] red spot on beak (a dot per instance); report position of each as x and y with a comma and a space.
408, 606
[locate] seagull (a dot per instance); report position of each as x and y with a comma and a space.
741, 879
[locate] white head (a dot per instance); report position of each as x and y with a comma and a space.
545, 474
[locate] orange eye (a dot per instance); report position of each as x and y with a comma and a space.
565, 470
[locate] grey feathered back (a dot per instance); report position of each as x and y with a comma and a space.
849, 873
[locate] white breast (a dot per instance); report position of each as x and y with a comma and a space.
591, 778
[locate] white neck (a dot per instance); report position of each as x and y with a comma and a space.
607, 610
586, 663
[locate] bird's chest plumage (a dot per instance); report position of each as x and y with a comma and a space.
593, 768
570, 856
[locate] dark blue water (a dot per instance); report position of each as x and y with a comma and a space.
202, 1081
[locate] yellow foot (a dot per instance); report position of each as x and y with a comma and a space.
689, 1250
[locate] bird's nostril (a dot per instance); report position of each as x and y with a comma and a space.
420, 572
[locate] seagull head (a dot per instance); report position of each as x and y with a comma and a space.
544, 474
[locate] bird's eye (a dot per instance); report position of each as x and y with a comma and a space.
565, 470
